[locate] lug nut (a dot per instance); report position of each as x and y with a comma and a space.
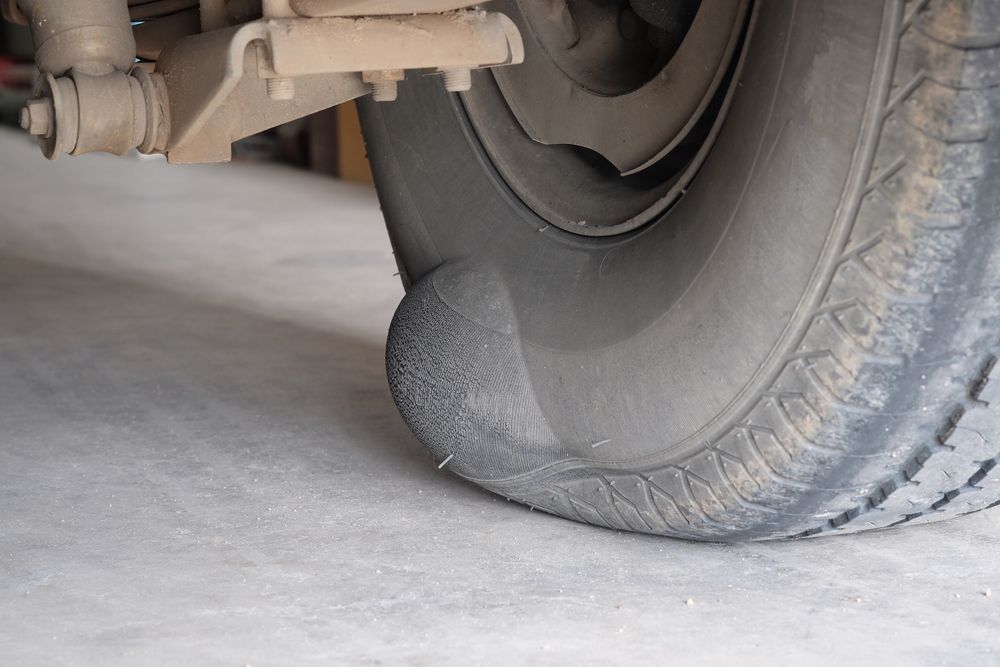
457, 80
384, 83
36, 117
281, 88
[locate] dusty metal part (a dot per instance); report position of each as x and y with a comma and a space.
617, 125
457, 80
248, 110
212, 88
280, 88
154, 95
554, 17
206, 75
578, 188
440, 41
82, 113
92, 37
332, 8
37, 117
86, 101
384, 83
112, 113
58, 97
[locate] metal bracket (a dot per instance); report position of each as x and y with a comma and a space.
333, 8
219, 74
214, 87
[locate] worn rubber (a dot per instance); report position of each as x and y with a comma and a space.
884, 404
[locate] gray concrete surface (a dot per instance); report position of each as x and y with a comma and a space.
200, 464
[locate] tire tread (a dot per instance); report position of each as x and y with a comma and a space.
916, 211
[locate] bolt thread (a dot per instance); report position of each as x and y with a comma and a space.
281, 88
457, 80
384, 91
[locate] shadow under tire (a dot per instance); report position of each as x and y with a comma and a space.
805, 343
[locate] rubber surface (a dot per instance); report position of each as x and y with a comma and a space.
857, 332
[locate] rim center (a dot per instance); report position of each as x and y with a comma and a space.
598, 75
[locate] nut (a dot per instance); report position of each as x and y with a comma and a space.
384, 83
36, 117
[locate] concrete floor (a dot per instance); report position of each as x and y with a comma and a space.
200, 463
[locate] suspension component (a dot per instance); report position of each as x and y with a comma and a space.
82, 113
86, 100
212, 88
93, 37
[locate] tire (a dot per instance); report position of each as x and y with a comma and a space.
805, 344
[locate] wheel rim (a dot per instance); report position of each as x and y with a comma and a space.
601, 150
